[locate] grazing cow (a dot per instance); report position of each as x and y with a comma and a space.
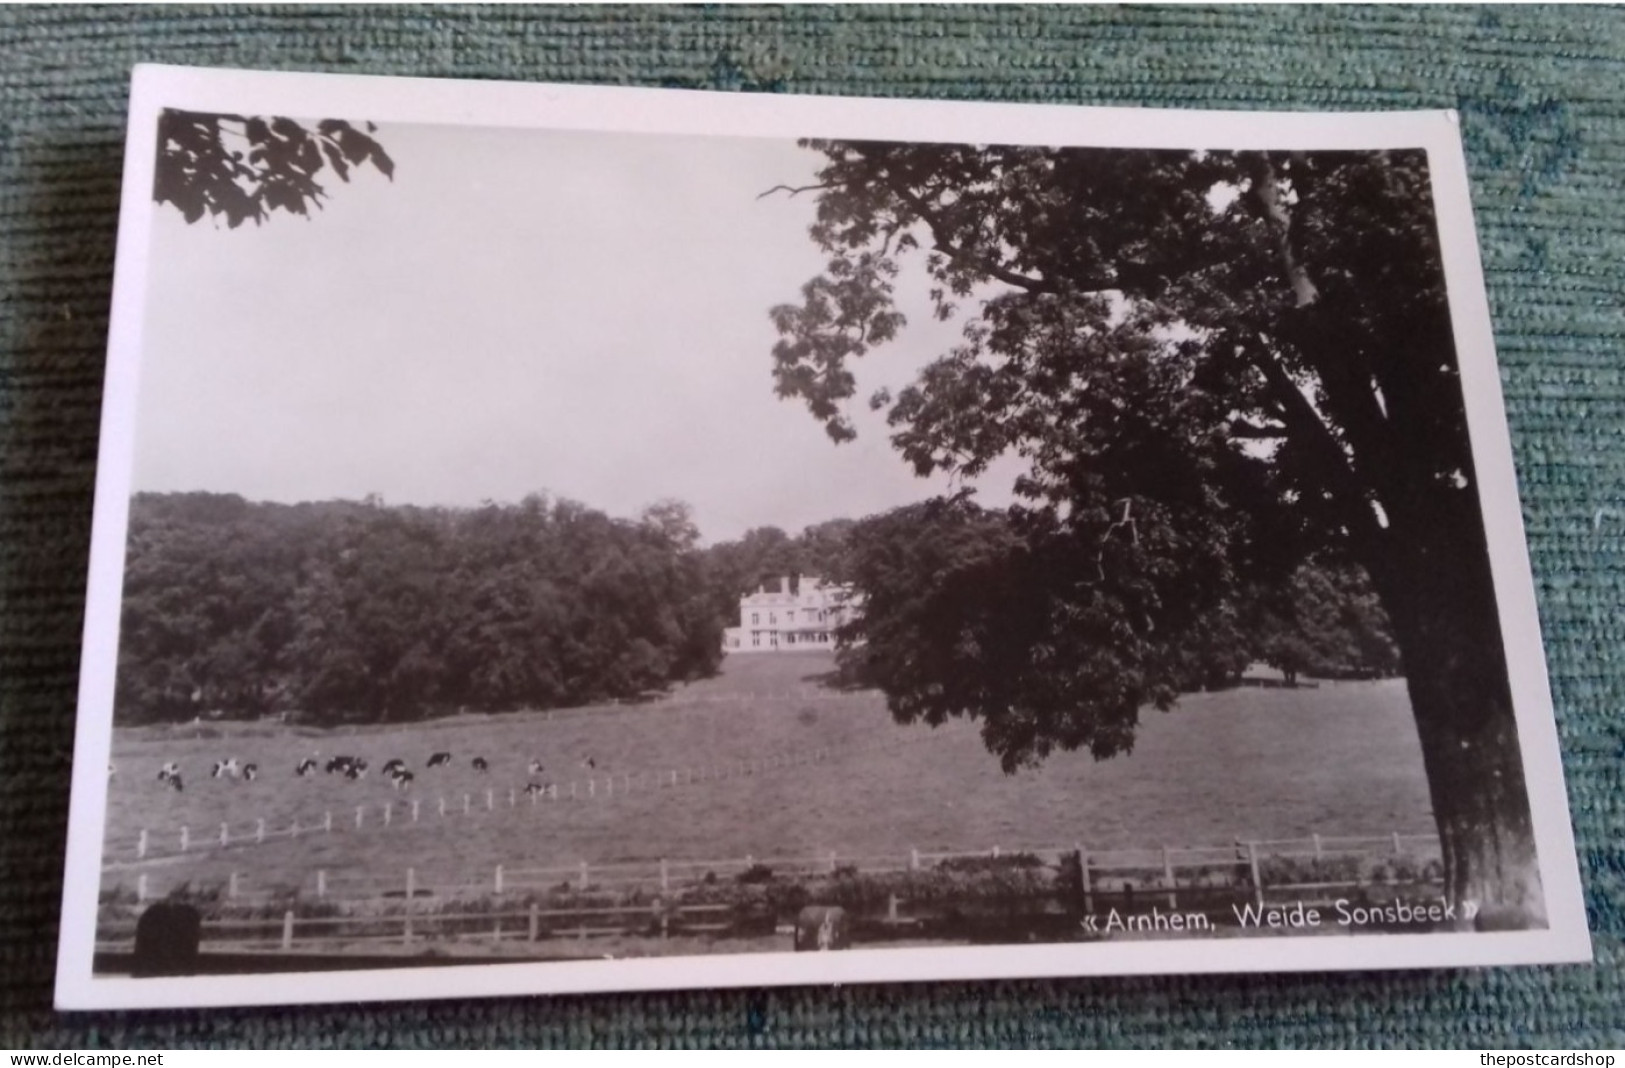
306, 766
481, 766
403, 779
169, 771
535, 767
345, 764
438, 759
226, 769
175, 782
590, 764
393, 765
250, 770
535, 788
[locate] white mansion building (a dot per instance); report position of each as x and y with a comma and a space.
800, 615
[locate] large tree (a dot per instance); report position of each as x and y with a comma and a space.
1216, 366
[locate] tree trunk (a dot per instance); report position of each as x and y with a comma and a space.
1440, 596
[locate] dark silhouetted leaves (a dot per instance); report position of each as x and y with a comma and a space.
245, 168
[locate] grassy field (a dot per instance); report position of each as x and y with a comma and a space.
1342, 759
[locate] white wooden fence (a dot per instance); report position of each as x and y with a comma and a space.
1164, 871
154, 844
290, 932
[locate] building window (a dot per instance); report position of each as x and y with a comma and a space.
754, 618
754, 640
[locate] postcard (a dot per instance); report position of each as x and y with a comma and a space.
559, 539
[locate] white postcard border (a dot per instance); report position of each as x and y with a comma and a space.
391, 100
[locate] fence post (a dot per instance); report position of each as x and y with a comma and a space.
442, 806
411, 883
389, 812
414, 811
321, 882
665, 876
293, 830
1258, 882
1318, 854
225, 835
465, 804
1083, 879
995, 852
913, 860
497, 882
583, 875
259, 830
141, 887
490, 800
327, 822
359, 809
186, 839
891, 908
513, 798
832, 860
1168, 876
141, 844
231, 885
592, 787
1398, 850
534, 923
287, 929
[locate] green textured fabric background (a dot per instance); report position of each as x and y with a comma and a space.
1542, 95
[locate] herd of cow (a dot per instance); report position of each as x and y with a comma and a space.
351, 767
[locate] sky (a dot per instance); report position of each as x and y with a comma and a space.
517, 311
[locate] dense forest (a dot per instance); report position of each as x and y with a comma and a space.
345, 611
959, 599
341, 610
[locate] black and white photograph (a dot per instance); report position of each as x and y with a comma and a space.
564, 539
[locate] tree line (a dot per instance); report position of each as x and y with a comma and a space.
360, 611
345, 611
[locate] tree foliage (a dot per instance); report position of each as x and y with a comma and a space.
1217, 366
345, 610
245, 168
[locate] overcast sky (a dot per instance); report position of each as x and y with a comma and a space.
517, 311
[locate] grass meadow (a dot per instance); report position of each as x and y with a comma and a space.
1341, 759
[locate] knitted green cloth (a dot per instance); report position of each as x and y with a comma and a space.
1542, 95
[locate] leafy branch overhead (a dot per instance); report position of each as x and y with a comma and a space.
244, 167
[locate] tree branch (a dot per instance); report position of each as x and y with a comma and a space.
1305, 425
943, 245
1269, 197
793, 190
